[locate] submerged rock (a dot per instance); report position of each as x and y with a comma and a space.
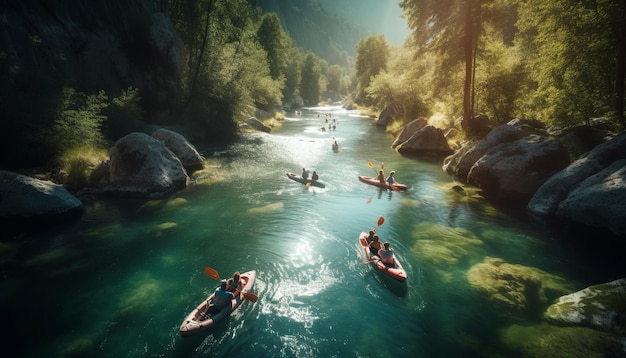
602, 307
547, 341
518, 289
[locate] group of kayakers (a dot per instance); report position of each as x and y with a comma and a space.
305, 175
226, 292
390, 180
380, 249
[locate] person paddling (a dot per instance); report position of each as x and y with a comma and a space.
386, 255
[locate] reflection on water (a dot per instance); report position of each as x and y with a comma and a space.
120, 281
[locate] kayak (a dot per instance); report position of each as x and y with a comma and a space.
199, 320
299, 179
376, 182
396, 272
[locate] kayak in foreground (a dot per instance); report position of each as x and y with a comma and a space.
376, 182
396, 272
299, 179
203, 318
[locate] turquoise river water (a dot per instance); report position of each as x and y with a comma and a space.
119, 282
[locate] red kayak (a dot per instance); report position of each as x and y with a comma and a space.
396, 272
376, 182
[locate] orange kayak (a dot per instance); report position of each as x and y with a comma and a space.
376, 182
396, 272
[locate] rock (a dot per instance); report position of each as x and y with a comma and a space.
477, 126
519, 290
387, 116
548, 341
514, 171
599, 201
601, 307
460, 163
27, 202
258, 125
409, 130
185, 151
548, 197
143, 166
428, 141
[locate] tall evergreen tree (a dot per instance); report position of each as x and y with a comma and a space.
310, 80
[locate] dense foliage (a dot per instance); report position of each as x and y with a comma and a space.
561, 62
235, 60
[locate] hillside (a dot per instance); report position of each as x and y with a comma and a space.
332, 28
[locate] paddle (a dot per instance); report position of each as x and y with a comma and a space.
369, 164
209, 271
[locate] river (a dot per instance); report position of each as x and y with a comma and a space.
119, 282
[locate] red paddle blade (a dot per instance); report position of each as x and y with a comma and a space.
211, 273
381, 220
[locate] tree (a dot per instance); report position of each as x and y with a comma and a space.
334, 76
575, 61
275, 43
449, 28
372, 56
310, 80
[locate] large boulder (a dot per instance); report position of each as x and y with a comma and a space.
602, 307
599, 201
258, 125
546, 201
428, 141
514, 171
143, 166
387, 116
408, 130
460, 163
185, 151
25, 201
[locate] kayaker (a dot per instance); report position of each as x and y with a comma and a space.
222, 297
370, 236
381, 176
315, 177
233, 283
391, 179
375, 245
386, 255
305, 174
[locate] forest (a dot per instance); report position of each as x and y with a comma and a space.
561, 63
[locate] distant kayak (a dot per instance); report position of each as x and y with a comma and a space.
376, 182
299, 179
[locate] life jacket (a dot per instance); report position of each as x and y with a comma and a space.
386, 256
222, 298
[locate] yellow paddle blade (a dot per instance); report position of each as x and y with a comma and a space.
308, 184
212, 273
381, 220
369, 164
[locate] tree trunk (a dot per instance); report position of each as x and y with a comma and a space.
620, 72
468, 45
